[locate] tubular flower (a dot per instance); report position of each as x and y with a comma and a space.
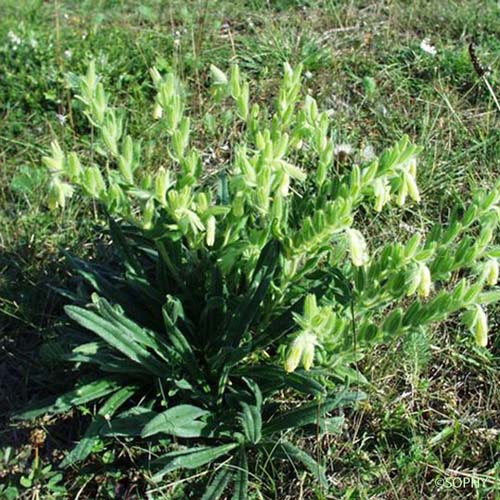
301, 349
412, 187
210, 238
412, 167
382, 193
357, 247
480, 326
157, 112
424, 281
402, 193
490, 272
58, 192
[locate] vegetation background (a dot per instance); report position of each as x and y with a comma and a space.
434, 400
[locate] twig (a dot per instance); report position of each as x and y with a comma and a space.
482, 72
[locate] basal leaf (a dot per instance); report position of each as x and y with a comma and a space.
181, 421
83, 449
309, 413
81, 395
117, 336
190, 459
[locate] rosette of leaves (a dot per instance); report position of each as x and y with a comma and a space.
183, 357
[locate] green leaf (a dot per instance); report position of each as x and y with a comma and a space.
83, 449
191, 458
212, 316
273, 378
143, 336
98, 353
241, 478
490, 297
81, 395
126, 250
393, 322
179, 341
263, 274
216, 488
287, 450
310, 413
332, 425
181, 421
129, 423
117, 336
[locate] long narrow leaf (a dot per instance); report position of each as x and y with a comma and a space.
129, 423
264, 272
118, 337
309, 413
287, 450
81, 395
241, 478
83, 449
191, 458
180, 421
181, 345
220, 482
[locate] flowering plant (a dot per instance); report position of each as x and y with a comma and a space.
236, 270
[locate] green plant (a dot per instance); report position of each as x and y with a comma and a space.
231, 271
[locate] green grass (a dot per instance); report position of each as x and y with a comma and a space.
434, 405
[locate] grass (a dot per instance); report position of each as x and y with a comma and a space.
434, 403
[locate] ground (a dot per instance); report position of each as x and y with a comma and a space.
434, 401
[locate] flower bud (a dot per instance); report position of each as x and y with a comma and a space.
308, 355
412, 167
235, 81
310, 306
357, 247
284, 185
155, 75
243, 101
74, 167
294, 355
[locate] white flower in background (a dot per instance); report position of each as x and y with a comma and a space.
14, 38
343, 148
33, 43
368, 153
426, 46
61, 118
68, 54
